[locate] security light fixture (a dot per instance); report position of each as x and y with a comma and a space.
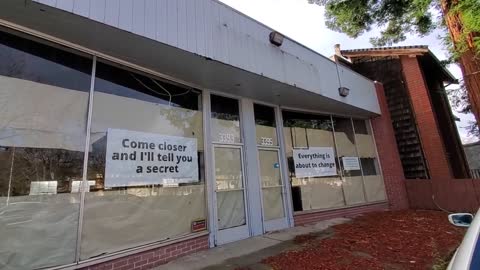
343, 91
276, 38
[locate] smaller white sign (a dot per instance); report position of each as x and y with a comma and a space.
350, 163
76, 186
314, 161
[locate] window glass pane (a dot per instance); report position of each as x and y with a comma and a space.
303, 131
228, 169
265, 125
352, 182
225, 120
272, 203
230, 209
374, 185
155, 116
33, 61
271, 180
43, 109
229, 184
269, 168
360, 126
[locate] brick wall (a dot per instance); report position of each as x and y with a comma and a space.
388, 154
433, 147
313, 217
456, 195
441, 191
155, 257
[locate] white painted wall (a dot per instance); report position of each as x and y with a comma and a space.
214, 30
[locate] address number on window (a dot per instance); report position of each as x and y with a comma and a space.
226, 138
266, 141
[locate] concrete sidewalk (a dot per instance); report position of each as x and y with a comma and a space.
248, 253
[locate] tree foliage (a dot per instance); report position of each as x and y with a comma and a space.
459, 101
395, 19
470, 14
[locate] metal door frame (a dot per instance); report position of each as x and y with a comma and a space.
219, 237
239, 232
287, 220
279, 223
250, 169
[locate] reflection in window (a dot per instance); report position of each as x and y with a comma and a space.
36, 62
127, 100
43, 109
265, 125
43, 188
225, 120
77, 184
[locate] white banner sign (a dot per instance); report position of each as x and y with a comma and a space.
314, 161
137, 158
350, 163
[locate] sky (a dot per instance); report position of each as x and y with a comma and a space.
305, 23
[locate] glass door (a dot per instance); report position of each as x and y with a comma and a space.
273, 191
230, 194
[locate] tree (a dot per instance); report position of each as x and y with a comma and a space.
397, 18
460, 102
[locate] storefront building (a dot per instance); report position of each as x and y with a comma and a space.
134, 132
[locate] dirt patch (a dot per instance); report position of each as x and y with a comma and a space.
387, 240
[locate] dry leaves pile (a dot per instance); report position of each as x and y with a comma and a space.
388, 240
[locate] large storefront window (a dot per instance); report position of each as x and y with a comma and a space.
146, 162
43, 115
312, 143
312, 133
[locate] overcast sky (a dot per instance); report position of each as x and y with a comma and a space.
304, 23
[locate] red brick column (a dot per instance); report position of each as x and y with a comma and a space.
388, 154
429, 133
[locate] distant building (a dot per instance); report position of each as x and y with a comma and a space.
414, 82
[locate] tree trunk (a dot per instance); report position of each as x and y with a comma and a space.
470, 65
469, 60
